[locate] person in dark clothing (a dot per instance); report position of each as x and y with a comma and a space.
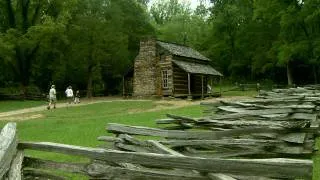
77, 97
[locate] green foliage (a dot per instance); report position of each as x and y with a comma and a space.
26, 25
176, 22
90, 44
262, 39
103, 39
83, 43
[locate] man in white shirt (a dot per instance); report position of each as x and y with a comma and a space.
52, 97
69, 94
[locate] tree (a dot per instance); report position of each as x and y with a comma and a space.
24, 24
105, 35
164, 11
294, 23
229, 20
177, 22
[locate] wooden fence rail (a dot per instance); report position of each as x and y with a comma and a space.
246, 140
165, 164
273, 168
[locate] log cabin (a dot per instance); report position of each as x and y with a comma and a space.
169, 69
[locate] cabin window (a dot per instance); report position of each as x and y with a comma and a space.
165, 78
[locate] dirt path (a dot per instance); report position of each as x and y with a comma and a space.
42, 108
22, 114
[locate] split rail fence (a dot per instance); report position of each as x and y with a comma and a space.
269, 137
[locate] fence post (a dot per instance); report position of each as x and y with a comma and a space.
8, 148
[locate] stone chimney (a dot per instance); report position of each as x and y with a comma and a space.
145, 68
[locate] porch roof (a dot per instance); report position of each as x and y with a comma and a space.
196, 68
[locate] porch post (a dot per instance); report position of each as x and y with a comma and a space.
202, 89
189, 87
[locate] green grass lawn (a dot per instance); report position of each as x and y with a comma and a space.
15, 105
82, 125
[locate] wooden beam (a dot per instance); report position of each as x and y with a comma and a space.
278, 168
181, 85
132, 148
218, 176
229, 142
109, 139
8, 144
39, 174
255, 112
189, 151
131, 140
103, 171
35, 163
162, 149
257, 123
253, 178
15, 172
145, 131
182, 81
247, 105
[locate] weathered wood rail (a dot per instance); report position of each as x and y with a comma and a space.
279, 124
110, 164
293, 110
265, 138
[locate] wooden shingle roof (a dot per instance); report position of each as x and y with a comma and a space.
196, 68
183, 51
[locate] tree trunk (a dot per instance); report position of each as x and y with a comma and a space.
89, 85
11, 16
314, 69
289, 74
90, 69
23, 67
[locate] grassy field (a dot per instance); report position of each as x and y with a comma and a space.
15, 105
83, 124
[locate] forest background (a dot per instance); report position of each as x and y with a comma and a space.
91, 44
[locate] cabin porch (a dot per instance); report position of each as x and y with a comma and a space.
194, 80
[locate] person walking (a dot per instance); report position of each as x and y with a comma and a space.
77, 97
69, 94
52, 97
